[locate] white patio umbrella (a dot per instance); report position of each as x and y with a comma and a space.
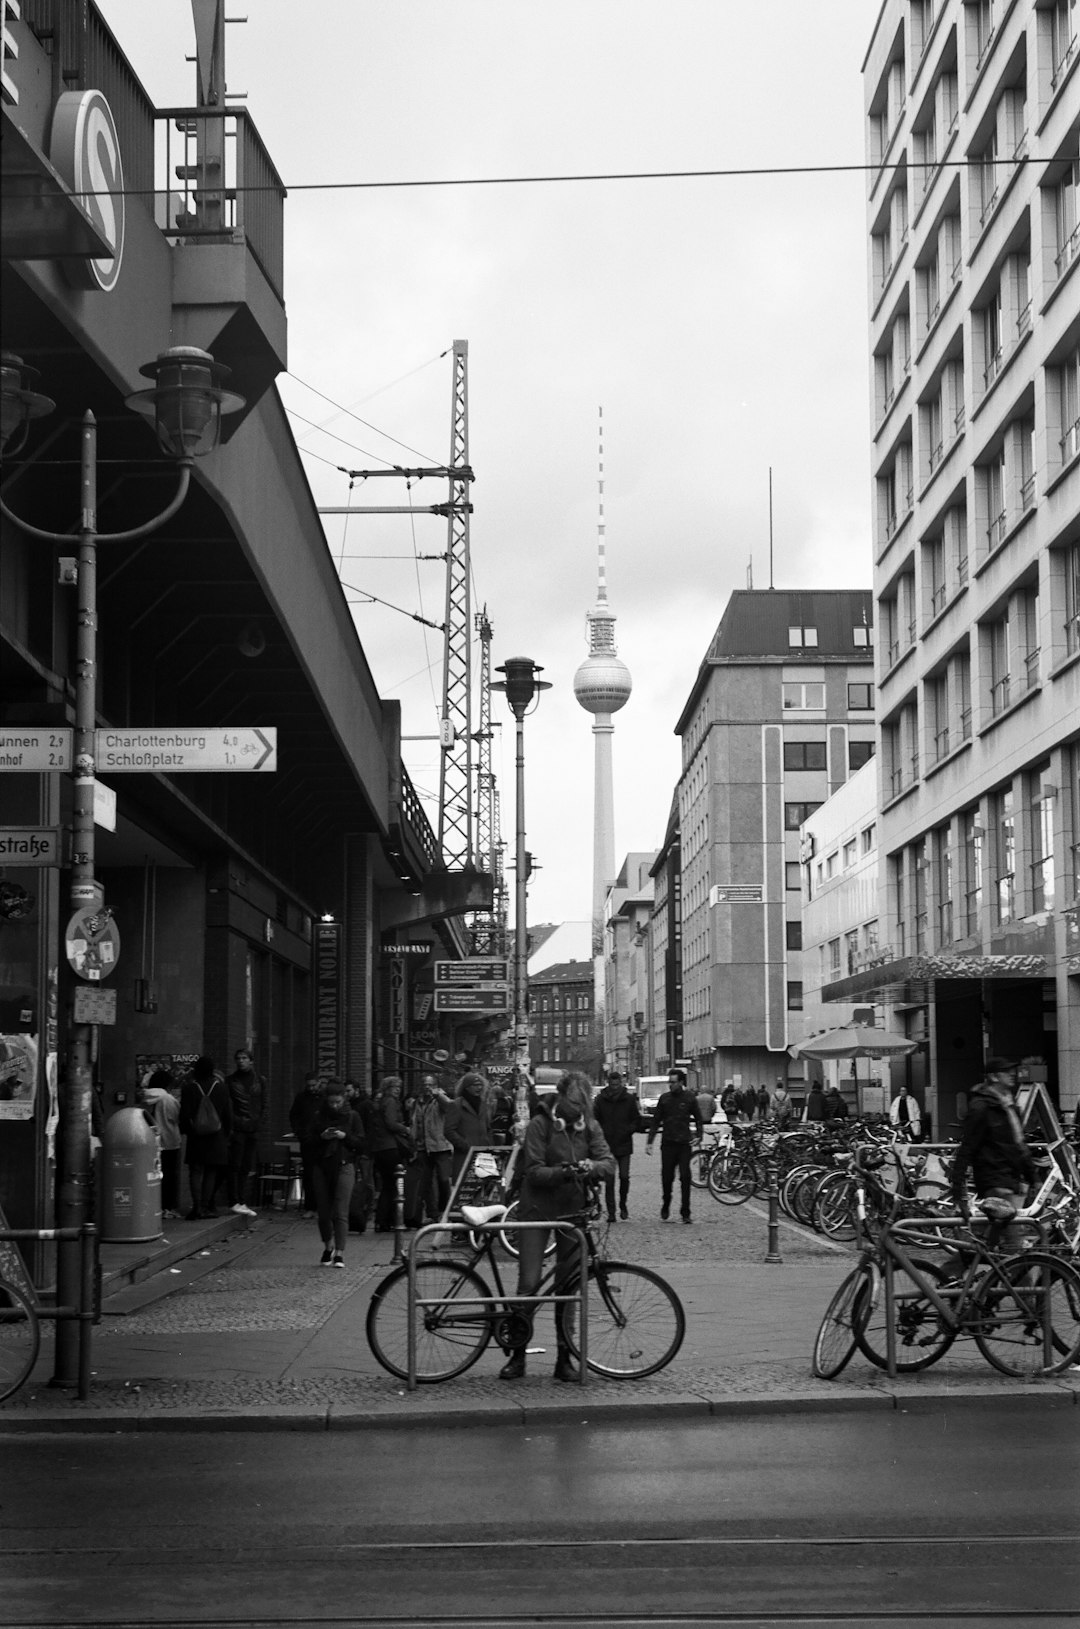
854, 1041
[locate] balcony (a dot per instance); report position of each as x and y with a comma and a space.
1062, 66
1068, 251
1070, 443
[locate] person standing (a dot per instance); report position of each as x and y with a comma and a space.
761, 1101
206, 1121
466, 1123
247, 1093
993, 1148
835, 1107
162, 1108
706, 1102
390, 1145
618, 1114
729, 1102
340, 1136
815, 1102
434, 1152
677, 1118
905, 1116
302, 1112
563, 1147
780, 1107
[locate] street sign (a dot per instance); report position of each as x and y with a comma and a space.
104, 806
92, 944
34, 750
174, 751
30, 845
483, 972
463, 999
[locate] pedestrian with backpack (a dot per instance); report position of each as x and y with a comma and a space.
206, 1121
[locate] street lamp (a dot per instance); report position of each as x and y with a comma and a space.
522, 687
186, 403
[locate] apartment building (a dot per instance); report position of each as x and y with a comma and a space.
561, 1017
627, 962
973, 117
664, 1017
780, 713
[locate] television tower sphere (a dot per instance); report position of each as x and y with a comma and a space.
602, 684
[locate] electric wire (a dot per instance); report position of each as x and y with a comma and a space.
378, 457
349, 413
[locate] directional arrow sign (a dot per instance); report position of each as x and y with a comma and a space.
477, 970
461, 999
175, 751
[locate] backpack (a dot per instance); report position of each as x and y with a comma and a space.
207, 1121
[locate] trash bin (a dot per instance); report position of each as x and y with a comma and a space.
130, 1179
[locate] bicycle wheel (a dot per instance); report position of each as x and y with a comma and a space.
731, 1178
636, 1321
1012, 1305
789, 1185
836, 1339
834, 1206
804, 1194
700, 1160
20, 1338
450, 1335
921, 1337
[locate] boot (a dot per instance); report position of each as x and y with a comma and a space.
514, 1367
564, 1365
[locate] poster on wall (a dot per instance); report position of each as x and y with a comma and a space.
18, 1075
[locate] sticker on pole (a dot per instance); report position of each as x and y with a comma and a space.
92, 944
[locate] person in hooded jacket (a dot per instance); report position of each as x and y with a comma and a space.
563, 1147
207, 1152
466, 1122
391, 1144
993, 1147
618, 1114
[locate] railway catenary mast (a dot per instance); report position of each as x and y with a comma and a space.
455, 779
488, 927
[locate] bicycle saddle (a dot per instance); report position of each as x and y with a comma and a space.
477, 1215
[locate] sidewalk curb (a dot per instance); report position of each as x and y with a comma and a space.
592, 1409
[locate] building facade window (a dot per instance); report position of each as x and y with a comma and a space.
807, 696
795, 995
943, 883
971, 858
1041, 796
805, 755
792, 875
1071, 565
1067, 218
1003, 855
793, 935
860, 698
1061, 32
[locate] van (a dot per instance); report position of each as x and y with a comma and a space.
650, 1089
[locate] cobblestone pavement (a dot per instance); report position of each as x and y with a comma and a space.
272, 1338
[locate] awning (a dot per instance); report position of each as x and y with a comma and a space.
902, 971
41, 218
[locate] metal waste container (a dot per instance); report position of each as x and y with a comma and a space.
130, 1178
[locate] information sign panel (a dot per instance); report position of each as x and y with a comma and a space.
33, 750
30, 845
481, 971
463, 999
176, 751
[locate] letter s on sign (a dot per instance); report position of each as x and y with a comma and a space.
85, 150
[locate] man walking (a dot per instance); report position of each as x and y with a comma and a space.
992, 1144
678, 1120
302, 1116
618, 1114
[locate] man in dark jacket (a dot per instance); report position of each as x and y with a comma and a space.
815, 1102
247, 1094
618, 1114
678, 1120
992, 1145
339, 1134
467, 1124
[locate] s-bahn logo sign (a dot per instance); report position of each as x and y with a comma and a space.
85, 150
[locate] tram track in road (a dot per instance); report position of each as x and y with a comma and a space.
1019, 1579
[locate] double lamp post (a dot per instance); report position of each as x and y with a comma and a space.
185, 402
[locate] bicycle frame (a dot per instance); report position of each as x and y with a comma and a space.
490, 1231
983, 1257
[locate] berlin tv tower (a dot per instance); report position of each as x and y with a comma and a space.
602, 685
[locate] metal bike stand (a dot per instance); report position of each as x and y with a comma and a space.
85, 1312
580, 1295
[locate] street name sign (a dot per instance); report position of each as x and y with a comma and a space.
30, 845
483, 972
30, 750
176, 751
463, 998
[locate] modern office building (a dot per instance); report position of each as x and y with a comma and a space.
781, 712
973, 119
665, 952
627, 962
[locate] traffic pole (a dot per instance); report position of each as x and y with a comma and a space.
399, 1214
773, 1258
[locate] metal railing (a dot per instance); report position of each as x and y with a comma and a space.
215, 182
87, 1310
416, 818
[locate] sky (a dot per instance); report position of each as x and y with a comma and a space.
720, 322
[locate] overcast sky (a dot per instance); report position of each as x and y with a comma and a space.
721, 323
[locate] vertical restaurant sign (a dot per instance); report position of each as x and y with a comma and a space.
85, 151
328, 998
397, 995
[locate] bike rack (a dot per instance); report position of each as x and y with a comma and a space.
86, 1311
580, 1295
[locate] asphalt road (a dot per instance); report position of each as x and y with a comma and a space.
945, 1516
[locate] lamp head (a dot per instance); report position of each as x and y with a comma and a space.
187, 401
520, 683
19, 402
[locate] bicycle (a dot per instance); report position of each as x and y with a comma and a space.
636, 1322
20, 1338
1023, 1311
